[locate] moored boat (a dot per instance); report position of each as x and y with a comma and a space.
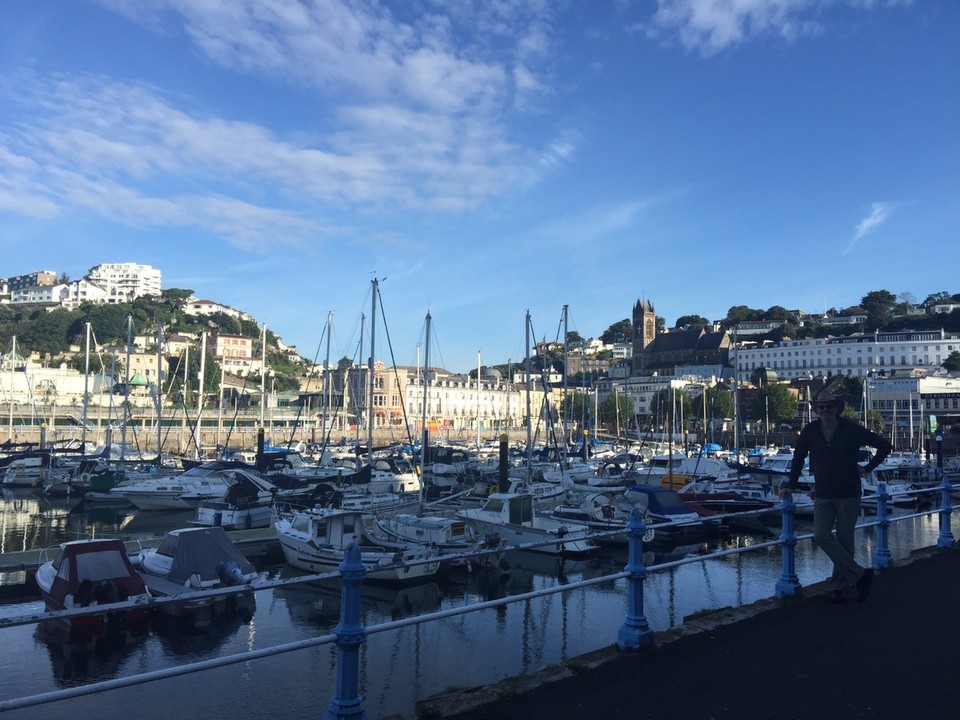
94, 573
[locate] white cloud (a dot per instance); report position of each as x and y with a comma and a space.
879, 212
711, 26
417, 104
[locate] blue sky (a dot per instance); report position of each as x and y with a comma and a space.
485, 158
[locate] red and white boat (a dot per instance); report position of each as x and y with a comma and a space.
93, 574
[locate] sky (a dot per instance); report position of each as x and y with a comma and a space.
483, 159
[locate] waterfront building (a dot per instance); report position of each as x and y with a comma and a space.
908, 400
856, 355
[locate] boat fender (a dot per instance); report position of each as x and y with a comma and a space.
493, 489
606, 511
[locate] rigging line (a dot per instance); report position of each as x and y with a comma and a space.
306, 390
403, 404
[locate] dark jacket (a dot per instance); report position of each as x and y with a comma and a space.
834, 464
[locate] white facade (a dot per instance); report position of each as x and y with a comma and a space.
124, 282
198, 308
81, 291
856, 355
38, 295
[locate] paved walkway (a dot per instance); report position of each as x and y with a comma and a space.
895, 656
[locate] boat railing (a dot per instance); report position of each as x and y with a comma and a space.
635, 632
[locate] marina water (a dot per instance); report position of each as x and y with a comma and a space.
398, 667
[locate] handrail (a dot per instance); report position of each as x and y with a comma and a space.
634, 634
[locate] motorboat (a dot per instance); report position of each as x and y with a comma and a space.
194, 559
94, 573
449, 535
316, 540
207, 481
512, 518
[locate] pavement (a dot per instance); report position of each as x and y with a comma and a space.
896, 655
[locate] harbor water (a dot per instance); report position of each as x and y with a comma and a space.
398, 667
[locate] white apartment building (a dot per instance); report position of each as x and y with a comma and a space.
38, 295
198, 308
855, 355
81, 291
124, 282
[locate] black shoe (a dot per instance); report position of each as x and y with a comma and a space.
863, 584
838, 598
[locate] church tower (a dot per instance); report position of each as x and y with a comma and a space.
644, 333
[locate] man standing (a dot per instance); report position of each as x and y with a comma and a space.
834, 443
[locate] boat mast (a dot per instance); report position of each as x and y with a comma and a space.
328, 384
478, 399
159, 390
86, 386
361, 395
373, 323
126, 390
263, 373
566, 405
425, 434
13, 362
198, 437
529, 421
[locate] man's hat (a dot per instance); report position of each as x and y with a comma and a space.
830, 394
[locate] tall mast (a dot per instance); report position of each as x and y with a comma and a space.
327, 383
361, 394
529, 419
203, 357
86, 385
159, 390
373, 324
425, 439
263, 373
566, 408
478, 399
126, 389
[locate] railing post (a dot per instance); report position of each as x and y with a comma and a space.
945, 539
881, 556
347, 703
635, 633
789, 584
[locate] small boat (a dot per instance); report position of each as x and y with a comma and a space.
511, 517
94, 574
446, 534
316, 539
672, 520
193, 559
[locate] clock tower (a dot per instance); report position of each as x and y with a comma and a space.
644, 333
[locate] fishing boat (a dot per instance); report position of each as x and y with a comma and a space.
512, 518
316, 539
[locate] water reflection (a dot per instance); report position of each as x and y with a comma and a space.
78, 659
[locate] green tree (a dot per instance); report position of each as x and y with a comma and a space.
692, 321
774, 403
613, 407
878, 305
952, 363
619, 332
719, 402
574, 339
935, 299
778, 313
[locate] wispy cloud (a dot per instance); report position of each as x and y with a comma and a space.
711, 26
417, 118
879, 212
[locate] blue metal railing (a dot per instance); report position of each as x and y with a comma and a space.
634, 634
